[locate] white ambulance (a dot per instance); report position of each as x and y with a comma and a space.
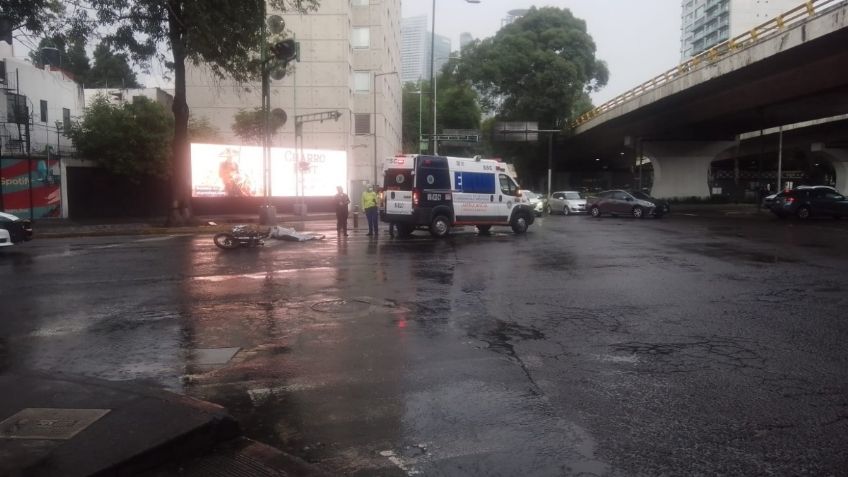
438, 193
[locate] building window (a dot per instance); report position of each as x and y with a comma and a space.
361, 37
361, 82
360, 3
362, 123
16, 109
66, 119
43, 111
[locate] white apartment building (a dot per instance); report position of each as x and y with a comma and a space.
127, 95
415, 49
706, 23
349, 62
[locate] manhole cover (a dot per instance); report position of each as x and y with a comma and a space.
48, 423
341, 306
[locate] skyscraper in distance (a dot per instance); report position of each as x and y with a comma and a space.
415, 49
706, 23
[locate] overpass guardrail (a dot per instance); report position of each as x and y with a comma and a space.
795, 16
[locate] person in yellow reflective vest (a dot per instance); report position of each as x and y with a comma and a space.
369, 205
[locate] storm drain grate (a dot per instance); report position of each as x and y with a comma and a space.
49, 423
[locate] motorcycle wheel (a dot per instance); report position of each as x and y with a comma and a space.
225, 241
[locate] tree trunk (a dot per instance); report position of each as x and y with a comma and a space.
180, 213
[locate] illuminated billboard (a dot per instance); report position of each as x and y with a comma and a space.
237, 171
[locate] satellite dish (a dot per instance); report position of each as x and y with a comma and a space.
279, 116
278, 72
276, 24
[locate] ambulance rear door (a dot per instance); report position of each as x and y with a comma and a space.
398, 181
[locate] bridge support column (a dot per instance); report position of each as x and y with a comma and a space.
681, 168
839, 159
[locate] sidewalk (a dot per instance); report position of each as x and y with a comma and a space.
56, 228
210, 224
69, 426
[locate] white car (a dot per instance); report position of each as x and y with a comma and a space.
13, 230
536, 201
567, 202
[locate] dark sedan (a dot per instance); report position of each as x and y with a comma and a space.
811, 202
619, 202
13, 230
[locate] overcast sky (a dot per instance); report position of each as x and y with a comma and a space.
639, 39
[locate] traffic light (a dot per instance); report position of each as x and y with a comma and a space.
285, 50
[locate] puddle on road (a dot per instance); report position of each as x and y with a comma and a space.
259, 275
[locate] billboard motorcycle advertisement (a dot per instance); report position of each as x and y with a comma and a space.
237, 171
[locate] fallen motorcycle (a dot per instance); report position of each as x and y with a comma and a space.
251, 236
241, 236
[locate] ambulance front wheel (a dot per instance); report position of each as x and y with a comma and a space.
519, 223
440, 226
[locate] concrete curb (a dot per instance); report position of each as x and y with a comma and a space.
50, 231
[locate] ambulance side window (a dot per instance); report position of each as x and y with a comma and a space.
508, 186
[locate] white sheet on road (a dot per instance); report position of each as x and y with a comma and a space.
283, 233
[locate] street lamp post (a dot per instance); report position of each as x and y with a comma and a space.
376, 75
435, 103
433, 68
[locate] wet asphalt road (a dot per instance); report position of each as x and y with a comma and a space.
682, 346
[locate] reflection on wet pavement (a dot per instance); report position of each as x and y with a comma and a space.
608, 353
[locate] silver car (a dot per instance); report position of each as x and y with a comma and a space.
567, 203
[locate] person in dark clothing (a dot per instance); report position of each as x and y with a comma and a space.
342, 202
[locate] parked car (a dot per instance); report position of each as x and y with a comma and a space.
567, 202
815, 201
619, 202
13, 230
771, 199
537, 202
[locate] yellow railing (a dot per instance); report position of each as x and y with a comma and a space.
775, 25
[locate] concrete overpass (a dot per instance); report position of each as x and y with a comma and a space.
790, 70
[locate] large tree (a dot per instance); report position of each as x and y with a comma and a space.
224, 35
31, 17
537, 68
458, 107
131, 139
72, 55
540, 68
111, 70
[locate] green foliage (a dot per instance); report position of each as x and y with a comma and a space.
133, 139
458, 107
413, 97
249, 125
224, 35
72, 55
537, 68
111, 70
200, 130
33, 16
